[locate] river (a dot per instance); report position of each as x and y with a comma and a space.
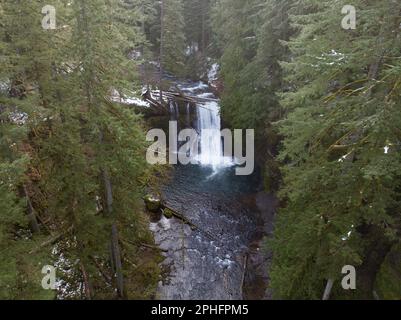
222, 259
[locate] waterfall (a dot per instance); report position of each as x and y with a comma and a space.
188, 117
209, 126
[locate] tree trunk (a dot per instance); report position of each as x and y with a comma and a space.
375, 254
33, 221
108, 191
203, 32
327, 291
116, 257
161, 49
88, 290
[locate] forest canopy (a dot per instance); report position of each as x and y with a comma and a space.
322, 92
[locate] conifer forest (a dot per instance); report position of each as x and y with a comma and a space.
200, 150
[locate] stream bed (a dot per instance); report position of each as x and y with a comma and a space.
221, 259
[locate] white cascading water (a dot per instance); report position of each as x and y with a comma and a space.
209, 126
210, 151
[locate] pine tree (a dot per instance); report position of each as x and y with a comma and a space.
341, 185
112, 142
235, 23
198, 36
26, 56
249, 34
79, 169
172, 40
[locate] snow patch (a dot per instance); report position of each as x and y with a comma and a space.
116, 97
213, 72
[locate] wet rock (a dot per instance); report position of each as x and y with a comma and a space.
168, 213
153, 203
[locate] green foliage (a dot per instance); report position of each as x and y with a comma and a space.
173, 41
249, 41
341, 183
333, 96
72, 134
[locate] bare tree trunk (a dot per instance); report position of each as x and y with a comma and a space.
88, 290
375, 254
203, 32
116, 257
143, 27
108, 191
161, 49
33, 221
327, 291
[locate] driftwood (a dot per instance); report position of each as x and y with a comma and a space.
245, 264
327, 291
87, 287
116, 258
179, 95
187, 221
50, 241
149, 246
161, 105
144, 245
157, 205
33, 221
108, 278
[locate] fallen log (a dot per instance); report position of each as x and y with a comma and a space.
52, 240
327, 291
144, 245
154, 204
244, 269
173, 95
105, 275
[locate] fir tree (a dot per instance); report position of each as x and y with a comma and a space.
341, 184
172, 39
80, 167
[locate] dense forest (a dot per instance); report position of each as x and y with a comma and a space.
324, 100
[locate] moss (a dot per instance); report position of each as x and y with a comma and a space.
271, 175
168, 213
389, 279
153, 203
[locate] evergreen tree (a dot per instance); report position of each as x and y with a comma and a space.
250, 34
26, 56
80, 170
172, 39
341, 185
235, 23
198, 34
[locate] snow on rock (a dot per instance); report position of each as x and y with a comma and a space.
117, 97
213, 72
136, 101
19, 118
4, 86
